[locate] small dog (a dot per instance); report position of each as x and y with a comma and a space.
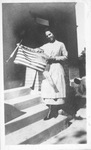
79, 84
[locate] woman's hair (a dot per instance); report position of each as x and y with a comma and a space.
48, 29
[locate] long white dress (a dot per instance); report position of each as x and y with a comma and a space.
57, 74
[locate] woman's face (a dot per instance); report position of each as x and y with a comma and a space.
50, 36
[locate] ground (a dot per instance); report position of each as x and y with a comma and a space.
76, 133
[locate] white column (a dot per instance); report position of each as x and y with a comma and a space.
80, 21
29, 77
33, 77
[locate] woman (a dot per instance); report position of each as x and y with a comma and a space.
53, 88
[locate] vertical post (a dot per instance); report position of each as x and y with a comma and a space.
80, 21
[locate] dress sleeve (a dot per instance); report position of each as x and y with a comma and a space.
63, 51
43, 47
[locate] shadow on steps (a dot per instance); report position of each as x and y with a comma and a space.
10, 112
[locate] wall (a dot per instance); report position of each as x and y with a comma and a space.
19, 23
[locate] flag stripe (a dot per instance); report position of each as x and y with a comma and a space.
20, 52
29, 52
30, 59
36, 61
28, 65
31, 63
20, 56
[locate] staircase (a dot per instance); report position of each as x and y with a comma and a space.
29, 126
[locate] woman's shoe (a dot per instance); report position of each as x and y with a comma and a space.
48, 117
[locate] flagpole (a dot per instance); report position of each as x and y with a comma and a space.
12, 54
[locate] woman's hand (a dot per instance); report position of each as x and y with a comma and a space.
50, 60
57, 58
19, 45
60, 58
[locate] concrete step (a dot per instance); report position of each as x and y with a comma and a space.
37, 132
16, 92
32, 115
75, 134
26, 101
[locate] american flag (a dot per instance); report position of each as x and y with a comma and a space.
27, 57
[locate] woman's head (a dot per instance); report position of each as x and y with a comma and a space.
49, 35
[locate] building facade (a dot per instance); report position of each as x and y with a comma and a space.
19, 22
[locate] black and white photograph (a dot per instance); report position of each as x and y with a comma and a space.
44, 51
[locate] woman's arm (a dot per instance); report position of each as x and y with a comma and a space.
50, 80
63, 53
